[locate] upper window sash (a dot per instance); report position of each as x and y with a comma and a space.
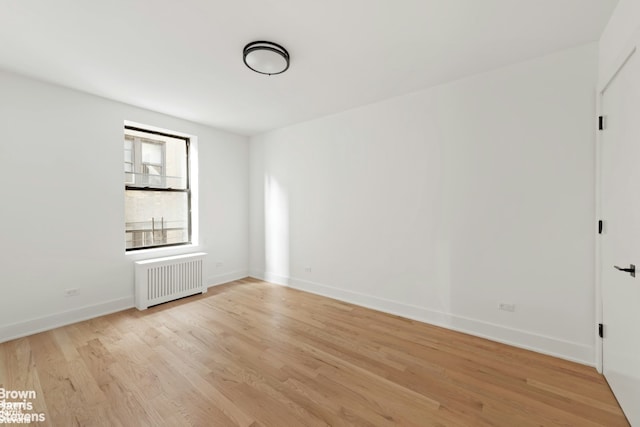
155, 161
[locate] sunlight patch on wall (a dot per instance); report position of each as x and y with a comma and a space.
276, 212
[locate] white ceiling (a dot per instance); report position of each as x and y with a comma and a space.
184, 57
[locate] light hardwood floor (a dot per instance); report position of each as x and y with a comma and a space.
254, 354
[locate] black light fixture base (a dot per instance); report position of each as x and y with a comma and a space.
261, 46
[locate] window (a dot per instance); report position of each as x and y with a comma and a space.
157, 194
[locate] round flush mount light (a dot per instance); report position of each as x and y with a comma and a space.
266, 57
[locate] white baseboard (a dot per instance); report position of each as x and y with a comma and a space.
531, 341
45, 323
271, 278
221, 279
567, 350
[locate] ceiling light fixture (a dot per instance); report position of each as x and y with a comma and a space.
266, 57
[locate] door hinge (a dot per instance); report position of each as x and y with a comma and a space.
600, 330
600, 122
600, 226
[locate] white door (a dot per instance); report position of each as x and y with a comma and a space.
620, 244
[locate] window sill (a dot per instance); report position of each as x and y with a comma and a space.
163, 252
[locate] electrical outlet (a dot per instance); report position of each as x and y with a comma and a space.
219, 264
507, 307
71, 292
307, 269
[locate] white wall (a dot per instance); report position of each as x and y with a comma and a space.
62, 211
623, 24
441, 204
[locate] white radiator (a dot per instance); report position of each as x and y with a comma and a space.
165, 279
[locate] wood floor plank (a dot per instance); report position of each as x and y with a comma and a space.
252, 354
18, 371
193, 372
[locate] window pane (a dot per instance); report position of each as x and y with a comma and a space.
152, 153
175, 166
152, 170
163, 157
156, 218
152, 176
